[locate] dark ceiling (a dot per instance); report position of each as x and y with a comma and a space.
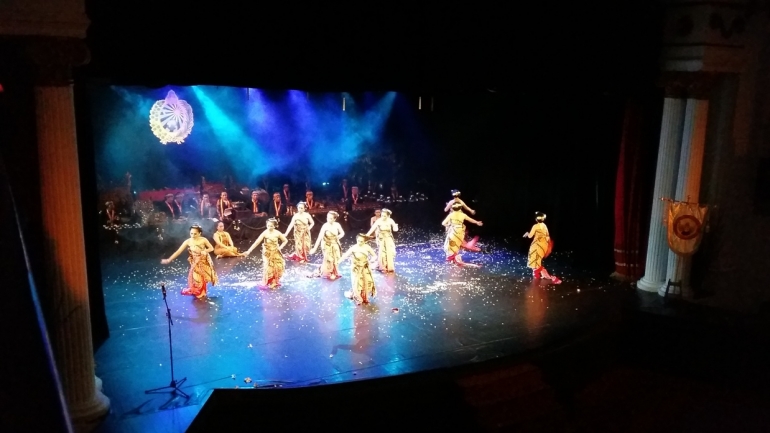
446, 47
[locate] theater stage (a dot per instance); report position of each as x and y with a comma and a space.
429, 315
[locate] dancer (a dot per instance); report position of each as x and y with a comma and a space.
272, 259
456, 199
386, 248
455, 233
224, 243
538, 248
224, 207
302, 222
331, 233
471, 244
363, 289
201, 267
205, 209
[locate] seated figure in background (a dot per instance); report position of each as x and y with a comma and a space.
224, 207
310, 202
276, 209
179, 204
223, 243
111, 214
255, 205
205, 209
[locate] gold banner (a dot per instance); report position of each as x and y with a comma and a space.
685, 226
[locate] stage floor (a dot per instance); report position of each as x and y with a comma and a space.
429, 315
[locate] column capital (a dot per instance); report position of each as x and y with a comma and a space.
697, 85
53, 58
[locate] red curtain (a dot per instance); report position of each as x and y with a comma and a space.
633, 186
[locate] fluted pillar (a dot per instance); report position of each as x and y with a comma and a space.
688, 187
665, 182
64, 251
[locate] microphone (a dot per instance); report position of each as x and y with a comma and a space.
163, 289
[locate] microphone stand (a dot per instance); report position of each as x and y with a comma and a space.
174, 386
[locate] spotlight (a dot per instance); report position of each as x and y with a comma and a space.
419, 103
343, 103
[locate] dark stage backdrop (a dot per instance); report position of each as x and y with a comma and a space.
518, 153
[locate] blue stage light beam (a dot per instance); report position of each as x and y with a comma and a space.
346, 135
267, 123
246, 157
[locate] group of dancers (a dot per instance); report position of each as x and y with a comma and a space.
363, 290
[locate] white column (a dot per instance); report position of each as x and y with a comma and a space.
65, 276
688, 187
665, 181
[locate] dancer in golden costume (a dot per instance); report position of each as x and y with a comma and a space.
362, 290
331, 233
223, 242
272, 259
302, 222
201, 267
471, 244
386, 248
455, 233
539, 248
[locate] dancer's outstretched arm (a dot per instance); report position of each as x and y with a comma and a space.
318, 239
473, 221
291, 225
176, 253
531, 232
346, 255
255, 244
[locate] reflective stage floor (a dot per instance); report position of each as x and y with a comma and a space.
429, 315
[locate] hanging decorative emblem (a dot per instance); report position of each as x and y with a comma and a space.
171, 119
685, 226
